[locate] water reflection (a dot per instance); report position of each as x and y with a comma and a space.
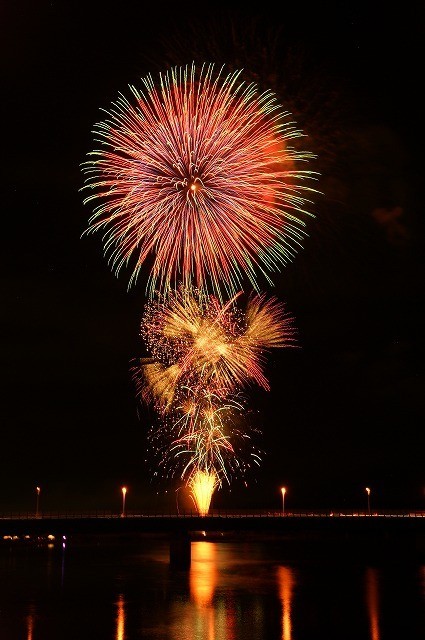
120, 619
30, 622
286, 583
203, 581
203, 572
231, 591
372, 602
218, 578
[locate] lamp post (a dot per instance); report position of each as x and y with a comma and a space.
38, 489
124, 491
368, 499
283, 490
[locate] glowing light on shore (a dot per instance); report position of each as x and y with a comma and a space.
196, 174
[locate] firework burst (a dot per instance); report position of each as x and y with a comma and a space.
203, 354
196, 175
199, 180
196, 341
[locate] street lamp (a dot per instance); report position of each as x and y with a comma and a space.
38, 489
368, 499
124, 491
283, 490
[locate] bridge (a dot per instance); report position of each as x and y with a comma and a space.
389, 532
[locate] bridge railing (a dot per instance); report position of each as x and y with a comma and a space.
109, 514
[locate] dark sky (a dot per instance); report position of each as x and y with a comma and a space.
346, 409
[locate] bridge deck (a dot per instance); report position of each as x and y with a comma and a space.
260, 522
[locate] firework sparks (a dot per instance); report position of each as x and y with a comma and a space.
197, 175
202, 485
198, 180
203, 353
155, 382
205, 440
195, 340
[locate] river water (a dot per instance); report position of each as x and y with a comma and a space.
233, 590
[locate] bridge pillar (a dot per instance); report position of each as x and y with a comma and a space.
180, 555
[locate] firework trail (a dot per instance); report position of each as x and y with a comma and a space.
196, 175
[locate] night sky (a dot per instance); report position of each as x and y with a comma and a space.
346, 408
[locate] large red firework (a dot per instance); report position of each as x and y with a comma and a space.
196, 177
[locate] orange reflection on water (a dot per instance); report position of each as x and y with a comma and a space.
120, 619
203, 572
210, 619
30, 626
30, 620
286, 583
372, 601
